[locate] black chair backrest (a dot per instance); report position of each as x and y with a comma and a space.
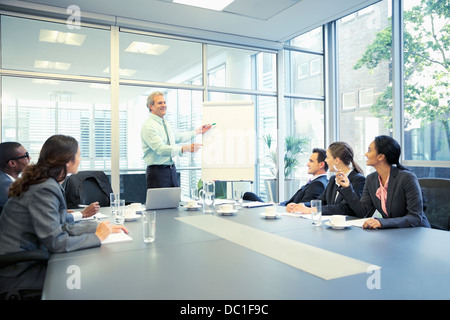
436, 193
86, 187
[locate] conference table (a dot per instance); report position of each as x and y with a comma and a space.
245, 256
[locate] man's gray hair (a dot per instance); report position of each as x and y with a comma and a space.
150, 101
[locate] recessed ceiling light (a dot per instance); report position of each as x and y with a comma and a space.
146, 48
217, 5
69, 38
51, 65
122, 72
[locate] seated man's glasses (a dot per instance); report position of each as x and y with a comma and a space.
27, 155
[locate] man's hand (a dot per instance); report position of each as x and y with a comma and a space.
193, 147
203, 129
90, 210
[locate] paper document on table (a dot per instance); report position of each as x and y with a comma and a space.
357, 223
256, 204
303, 215
117, 237
98, 215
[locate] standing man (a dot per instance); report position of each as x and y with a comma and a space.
159, 144
13, 159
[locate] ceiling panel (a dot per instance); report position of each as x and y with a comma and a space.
269, 20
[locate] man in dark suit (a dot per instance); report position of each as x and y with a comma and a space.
314, 187
13, 159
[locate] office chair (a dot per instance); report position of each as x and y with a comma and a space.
436, 201
87, 187
10, 259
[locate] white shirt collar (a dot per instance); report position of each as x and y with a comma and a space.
12, 178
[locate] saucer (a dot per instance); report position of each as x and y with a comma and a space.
226, 213
338, 227
270, 216
133, 217
193, 207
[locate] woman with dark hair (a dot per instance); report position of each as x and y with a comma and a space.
340, 160
392, 190
34, 217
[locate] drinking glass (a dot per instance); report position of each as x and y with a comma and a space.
194, 194
120, 213
238, 199
149, 225
114, 203
316, 212
207, 196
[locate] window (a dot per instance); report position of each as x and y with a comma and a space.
349, 101
305, 96
158, 59
309, 69
34, 109
360, 82
49, 47
242, 69
426, 105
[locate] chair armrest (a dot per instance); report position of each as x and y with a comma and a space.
21, 256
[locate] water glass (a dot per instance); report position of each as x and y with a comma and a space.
194, 194
316, 212
207, 201
114, 202
120, 213
238, 199
149, 225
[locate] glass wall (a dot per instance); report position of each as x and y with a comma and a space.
54, 48
426, 55
362, 84
34, 109
304, 105
58, 81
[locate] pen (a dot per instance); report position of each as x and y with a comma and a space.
97, 219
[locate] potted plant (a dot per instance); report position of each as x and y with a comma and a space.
293, 147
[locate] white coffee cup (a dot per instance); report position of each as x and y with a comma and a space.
226, 208
191, 204
129, 212
337, 220
270, 211
136, 206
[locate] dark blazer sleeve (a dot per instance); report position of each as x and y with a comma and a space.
309, 191
339, 205
361, 206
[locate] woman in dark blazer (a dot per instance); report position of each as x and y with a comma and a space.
392, 190
339, 160
35, 215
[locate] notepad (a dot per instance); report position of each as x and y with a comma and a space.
117, 237
98, 215
256, 204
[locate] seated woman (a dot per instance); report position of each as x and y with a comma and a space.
339, 158
392, 190
34, 217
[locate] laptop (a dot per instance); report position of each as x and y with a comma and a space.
163, 198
